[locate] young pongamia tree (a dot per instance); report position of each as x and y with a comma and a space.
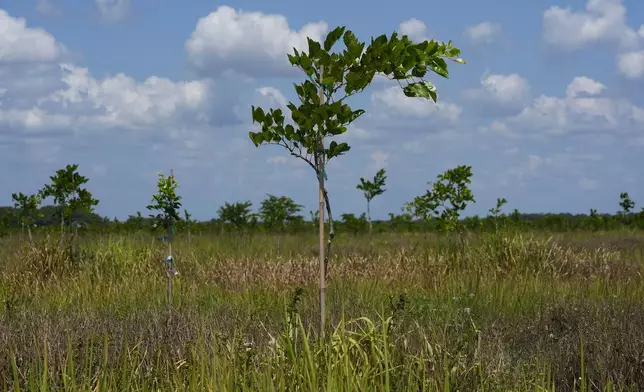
136, 220
496, 214
65, 188
238, 214
371, 189
27, 206
596, 221
354, 224
446, 199
166, 203
188, 221
315, 217
277, 212
627, 205
331, 78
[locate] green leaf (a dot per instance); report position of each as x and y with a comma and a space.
439, 66
328, 80
419, 71
333, 37
258, 114
256, 138
424, 89
337, 131
380, 41
336, 149
314, 48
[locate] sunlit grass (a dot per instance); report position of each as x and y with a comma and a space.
414, 313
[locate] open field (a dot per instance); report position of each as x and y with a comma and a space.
511, 312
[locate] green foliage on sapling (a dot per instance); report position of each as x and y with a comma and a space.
371, 189
237, 214
446, 199
354, 224
27, 206
277, 212
627, 205
496, 214
65, 188
343, 75
166, 203
596, 220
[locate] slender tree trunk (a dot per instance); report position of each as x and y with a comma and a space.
170, 267
31, 239
370, 225
320, 163
170, 273
280, 234
62, 228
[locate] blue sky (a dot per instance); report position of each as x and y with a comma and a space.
549, 109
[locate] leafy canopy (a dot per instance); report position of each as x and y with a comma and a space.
278, 211
165, 202
373, 188
446, 199
65, 188
27, 206
238, 214
626, 202
347, 72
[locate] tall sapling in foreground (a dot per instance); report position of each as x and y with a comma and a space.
167, 204
331, 78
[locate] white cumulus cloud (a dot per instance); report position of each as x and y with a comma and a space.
582, 84
254, 43
631, 64
393, 100
572, 113
601, 21
483, 33
503, 89
19, 43
112, 11
414, 29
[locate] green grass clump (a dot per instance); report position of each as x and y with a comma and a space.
414, 312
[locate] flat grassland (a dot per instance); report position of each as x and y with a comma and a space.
517, 311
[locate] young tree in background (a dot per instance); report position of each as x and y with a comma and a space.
446, 199
277, 212
166, 203
627, 205
237, 214
331, 78
187, 218
371, 189
65, 188
27, 207
496, 214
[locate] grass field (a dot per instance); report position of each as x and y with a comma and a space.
514, 312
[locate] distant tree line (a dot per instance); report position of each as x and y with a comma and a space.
438, 209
